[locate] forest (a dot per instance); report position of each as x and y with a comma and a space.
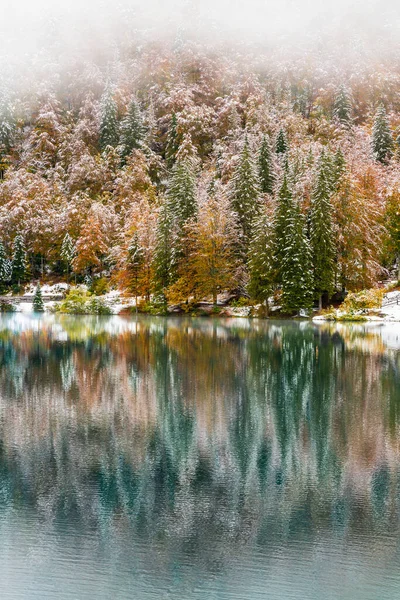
179, 170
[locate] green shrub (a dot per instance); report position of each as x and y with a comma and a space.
100, 286
7, 307
151, 308
80, 302
96, 306
240, 302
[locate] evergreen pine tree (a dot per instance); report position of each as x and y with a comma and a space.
19, 260
182, 206
132, 129
297, 280
245, 195
109, 134
339, 165
321, 236
38, 305
68, 252
261, 260
382, 140
266, 167
172, 141
135, 265
5, 267
162, 260
282, 145
283, 214
343, 107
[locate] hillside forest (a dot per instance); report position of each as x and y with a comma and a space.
177, 171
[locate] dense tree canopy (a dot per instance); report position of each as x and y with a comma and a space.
124, 154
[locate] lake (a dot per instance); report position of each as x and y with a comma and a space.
157, 458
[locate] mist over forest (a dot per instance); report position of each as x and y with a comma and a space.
132, 134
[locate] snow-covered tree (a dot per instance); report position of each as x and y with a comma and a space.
323, 249
182, 206
382, 140
172, 141
135, 266
68, 252
297, 277
38, 304
343, 106
245, 193
281, 144
261, 259
109, 129
19, 262
266, 167
5, 267
282, 218
132, 129
162, 262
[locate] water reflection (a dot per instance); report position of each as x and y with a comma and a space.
199, 439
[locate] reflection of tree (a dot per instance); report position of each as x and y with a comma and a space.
199, 431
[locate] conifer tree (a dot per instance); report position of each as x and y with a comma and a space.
266, 167
297, 280
19, 260
172, 141
109, 134
182, 207
261, 260
162, 260
282, 216
5, 267
321, 236
67, 252
339, 165
38, 304
135, 266
343, 107
132, 129
245, 196
382, 140
282, 145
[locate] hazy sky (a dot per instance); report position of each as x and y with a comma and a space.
29, 26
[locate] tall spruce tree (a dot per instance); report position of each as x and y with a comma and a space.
5, 267
38, 304
261, 260
68, 252
297, 279
281, 145
322, 236
109, 133
172, 141
245, 194
132, 129
266, 167
343, 106
382, 140
135, 266
162, 260
19, 260
282, 216
182, 206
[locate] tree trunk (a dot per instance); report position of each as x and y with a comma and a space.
215, 297
320, 302
398, 268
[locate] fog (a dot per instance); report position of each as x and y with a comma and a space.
31, 26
